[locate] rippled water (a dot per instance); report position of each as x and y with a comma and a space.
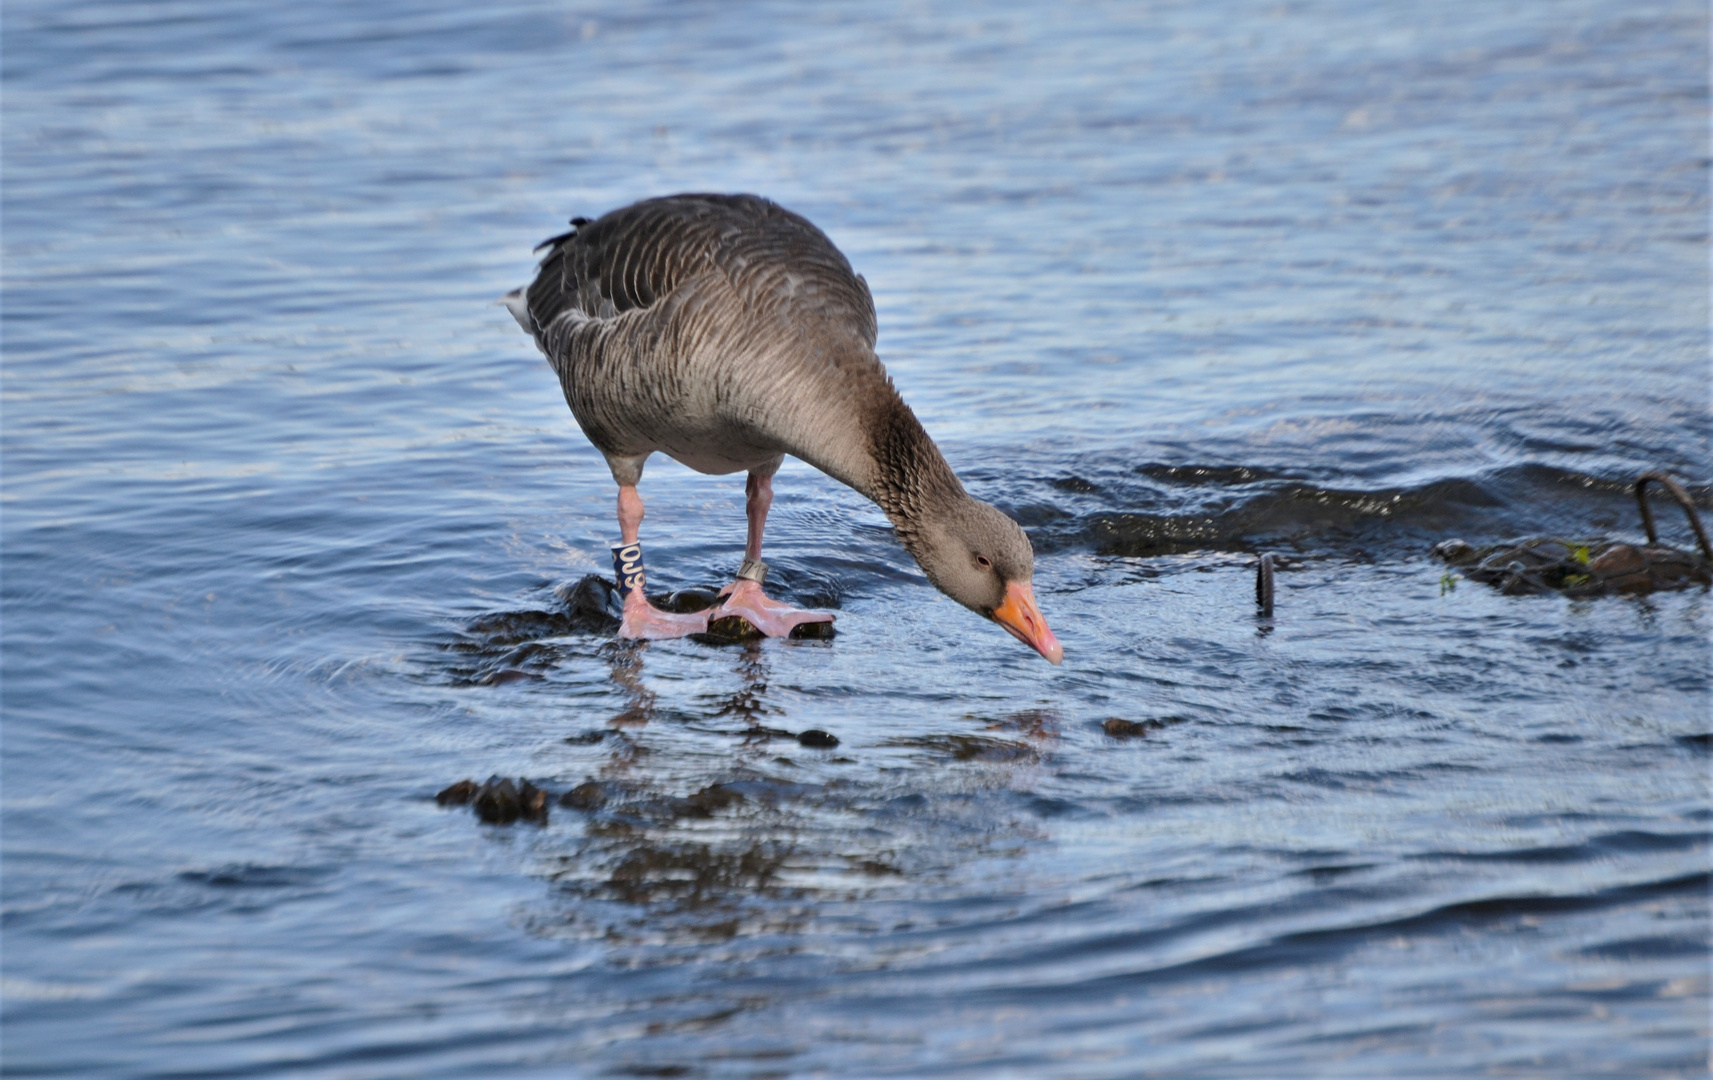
295, 522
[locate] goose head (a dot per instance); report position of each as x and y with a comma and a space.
975, 554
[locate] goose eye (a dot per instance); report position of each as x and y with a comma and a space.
986, 563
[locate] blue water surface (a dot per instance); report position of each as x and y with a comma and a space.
294, 522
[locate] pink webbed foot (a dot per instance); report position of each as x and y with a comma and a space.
745, 599
643, 620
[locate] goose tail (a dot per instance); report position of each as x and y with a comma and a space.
517, 303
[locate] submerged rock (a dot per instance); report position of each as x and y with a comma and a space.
730, 630
589, 795
686, 601
1130, 729
1575, 568
458, 794
507, 675
1594, 567
816, 739
710, 800
499, 801
736, 630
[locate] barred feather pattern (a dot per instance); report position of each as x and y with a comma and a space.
725, 332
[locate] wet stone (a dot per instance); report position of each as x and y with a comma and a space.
1594, 568
686, 601
507, 675
1455, 552
590, 795
503, 629
458, 794
816, 739
588, 606
1130, 729
1076, 485
970, 747
737, 630
501, 802
731, 630
592, 604
709, 800
1619, 559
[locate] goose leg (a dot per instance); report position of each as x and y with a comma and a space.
641, 618
744, 597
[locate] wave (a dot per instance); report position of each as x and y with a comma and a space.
1157, 509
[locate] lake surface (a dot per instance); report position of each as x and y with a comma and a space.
295, 520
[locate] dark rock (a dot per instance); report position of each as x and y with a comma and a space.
503, 629
731, 629
686, 601
1076, 485
1454, 552
663, 810
1130, 729
736, 630
1638, 582
710, 799
501, 802
964, 747
497, 802
587, 738
534, 802
591, 605
1669, 568
590, 795
1576, 569
816, 739
506, 675
458, 794
1516, 579
1617, 560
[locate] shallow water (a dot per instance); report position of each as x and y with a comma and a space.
295, 518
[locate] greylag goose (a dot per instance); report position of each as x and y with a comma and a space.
726, 332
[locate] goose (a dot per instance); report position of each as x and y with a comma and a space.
726, 332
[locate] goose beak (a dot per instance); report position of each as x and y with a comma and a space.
1019, 615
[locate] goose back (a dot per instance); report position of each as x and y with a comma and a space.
776, 261
722, 330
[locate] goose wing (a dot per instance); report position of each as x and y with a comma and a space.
781, 268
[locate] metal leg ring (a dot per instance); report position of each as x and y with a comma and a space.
753, 569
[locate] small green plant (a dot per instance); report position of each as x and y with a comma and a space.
1447, 583
1580, 554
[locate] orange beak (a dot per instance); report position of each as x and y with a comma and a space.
1022, 618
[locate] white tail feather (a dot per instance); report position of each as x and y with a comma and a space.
518, 304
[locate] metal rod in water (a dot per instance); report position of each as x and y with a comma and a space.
1264, 585
1676, 491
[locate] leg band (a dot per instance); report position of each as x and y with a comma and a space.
627, 567
754, 569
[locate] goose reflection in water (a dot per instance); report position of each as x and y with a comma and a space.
702, 818
681, 842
